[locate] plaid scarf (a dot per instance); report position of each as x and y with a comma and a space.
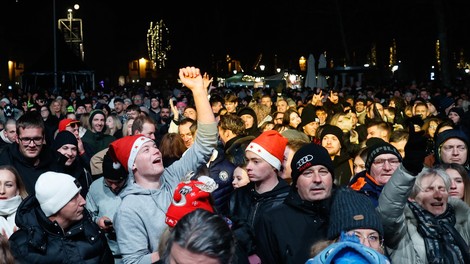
444, 245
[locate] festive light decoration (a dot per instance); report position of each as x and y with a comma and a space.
158, 44
393, 54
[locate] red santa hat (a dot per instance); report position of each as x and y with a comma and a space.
270, 146
189, 196
125, 150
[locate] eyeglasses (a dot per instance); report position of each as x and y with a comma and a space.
73, 125
37, 140
374, 239
381, 162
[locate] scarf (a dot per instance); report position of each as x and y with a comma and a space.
9, 206
7, 214
444, 245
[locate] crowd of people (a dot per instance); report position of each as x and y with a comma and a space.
239, 175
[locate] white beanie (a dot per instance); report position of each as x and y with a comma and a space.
54, 190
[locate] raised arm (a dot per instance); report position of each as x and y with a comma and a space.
191, 77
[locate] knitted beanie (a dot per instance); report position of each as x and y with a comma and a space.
112, 169
270, 146
446, 135
333, 130
54, 190
63, 138
307, 156
308, 116
458, 110
93, 113
379, 147
189, 196
352, 210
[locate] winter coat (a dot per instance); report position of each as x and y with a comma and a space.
98, 141
402, 240
287, 232
247, 207
221, 171
39, 240
364, 183
343, 168
28, 172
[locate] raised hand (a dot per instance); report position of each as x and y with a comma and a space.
415, 151
191, 77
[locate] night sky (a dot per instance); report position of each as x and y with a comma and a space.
115, 33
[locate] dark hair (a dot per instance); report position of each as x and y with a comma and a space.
193, 123
30, 120
139, 122
233, 123
134, 107
399, 135
445, 122
203, 232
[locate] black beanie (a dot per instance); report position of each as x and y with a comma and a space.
307, 156
308, 116
378, 147
352, 210
93, 113
62, 138
446, 135
459, 111
334, 130
113, 170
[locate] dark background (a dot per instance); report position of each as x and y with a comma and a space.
203, 33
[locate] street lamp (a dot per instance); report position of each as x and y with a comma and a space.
303, 63
54, 32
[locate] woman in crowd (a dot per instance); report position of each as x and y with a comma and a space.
127, 127
172, 148
240, 177
460, 182
288, 128
455, 114
359, 161
113, 126
12, 193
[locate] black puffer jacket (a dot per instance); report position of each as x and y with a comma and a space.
39, 240
247, 206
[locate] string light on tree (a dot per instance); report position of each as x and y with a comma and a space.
158, 44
